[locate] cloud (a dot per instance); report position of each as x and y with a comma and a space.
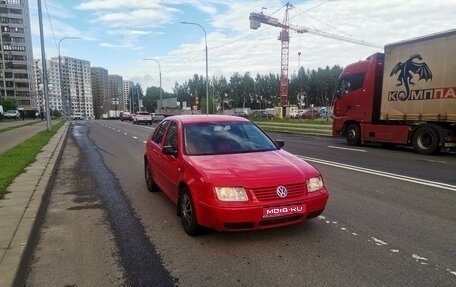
130, 30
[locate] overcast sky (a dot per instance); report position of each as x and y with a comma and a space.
119, 34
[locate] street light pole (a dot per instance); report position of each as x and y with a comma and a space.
43, 61
207, 77
62, 92
160, 75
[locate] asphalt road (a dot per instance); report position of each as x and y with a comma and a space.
390, 221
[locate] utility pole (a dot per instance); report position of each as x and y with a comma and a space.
43, 60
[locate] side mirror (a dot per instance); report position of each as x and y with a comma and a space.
169, 150
338, 94
280, 143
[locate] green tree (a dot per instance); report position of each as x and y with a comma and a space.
220, 90
8, 104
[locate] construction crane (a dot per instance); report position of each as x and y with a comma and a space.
255, 22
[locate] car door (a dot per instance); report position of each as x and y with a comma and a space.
171, 163
155, 155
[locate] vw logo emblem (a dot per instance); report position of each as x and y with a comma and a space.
282, 191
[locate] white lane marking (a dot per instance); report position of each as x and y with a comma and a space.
435, 161
346, 148
383, 173
125, 134
419, 259
378, 241
144, 141
135, 137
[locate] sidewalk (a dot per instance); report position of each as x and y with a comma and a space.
23, 209
11, 138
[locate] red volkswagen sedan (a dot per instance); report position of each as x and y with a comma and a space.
225, 173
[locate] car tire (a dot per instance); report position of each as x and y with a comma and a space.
187, 213
353, 134
150, 183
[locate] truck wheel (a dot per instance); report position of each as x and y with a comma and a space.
425, 141
353, 134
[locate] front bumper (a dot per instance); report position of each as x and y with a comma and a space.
250, 215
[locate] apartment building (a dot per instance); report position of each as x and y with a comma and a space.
116, 93
127, 85
17, 79
100, 91
77, 86
54, 92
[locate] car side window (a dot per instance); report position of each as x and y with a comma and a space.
160, 132
171, 136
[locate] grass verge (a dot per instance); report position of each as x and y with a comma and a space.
14, 161
18, 126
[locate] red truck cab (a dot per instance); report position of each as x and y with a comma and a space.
406, 96
357, 110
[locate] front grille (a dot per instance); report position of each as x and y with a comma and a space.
279, 220
270, 192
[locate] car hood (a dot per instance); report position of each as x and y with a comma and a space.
253, 169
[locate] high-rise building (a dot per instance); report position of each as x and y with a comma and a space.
116, 93
77, 86
100, 91
54, 93
17, 79
38, 88
126, 93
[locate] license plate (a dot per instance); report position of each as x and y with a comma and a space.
283, 210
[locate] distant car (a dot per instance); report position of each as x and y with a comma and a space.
12, 114
323, 112
225, 173
126, 116
142, 118
310, 114
157, 117
261, 115
77, 116
241, 114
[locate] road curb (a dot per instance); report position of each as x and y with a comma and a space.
16, 259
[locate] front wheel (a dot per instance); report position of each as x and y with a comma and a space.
425, 141
353, 134
150, 183
188, 214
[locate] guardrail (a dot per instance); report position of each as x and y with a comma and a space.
296, 127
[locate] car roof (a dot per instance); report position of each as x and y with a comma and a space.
206, 118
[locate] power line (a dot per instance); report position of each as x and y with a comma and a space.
50, 24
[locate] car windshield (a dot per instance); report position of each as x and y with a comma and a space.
226, 137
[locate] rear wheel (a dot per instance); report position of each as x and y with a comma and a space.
188, 214
353, 134
150, 183
425, 141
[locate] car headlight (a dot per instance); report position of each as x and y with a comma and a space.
231, 194
314, 184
